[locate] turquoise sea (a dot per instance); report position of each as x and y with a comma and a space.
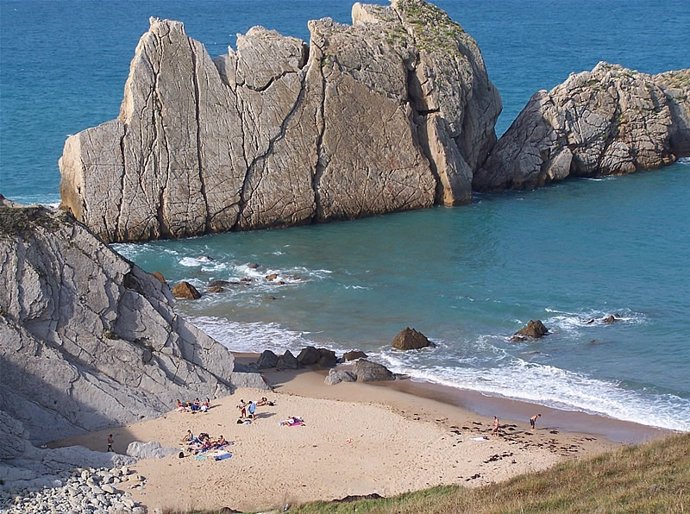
467, 277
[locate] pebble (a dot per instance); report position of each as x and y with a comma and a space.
86, 491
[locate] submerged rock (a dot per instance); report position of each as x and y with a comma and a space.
609, 121
393, 112
185, 291
533, 329
354, 355
410, 339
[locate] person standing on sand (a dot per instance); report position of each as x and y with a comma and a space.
495, 429
533, 420
243, 409
110, 443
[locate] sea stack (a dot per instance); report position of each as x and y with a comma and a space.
610, 121
393, 112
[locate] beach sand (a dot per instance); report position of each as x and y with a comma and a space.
358, 439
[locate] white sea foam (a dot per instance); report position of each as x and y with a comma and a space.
256, 337
684, 160
574, 322
558, 388
482, 365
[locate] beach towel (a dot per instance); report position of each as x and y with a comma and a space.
222, 456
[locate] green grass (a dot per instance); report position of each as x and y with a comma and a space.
651, 478
433, 28
646, 479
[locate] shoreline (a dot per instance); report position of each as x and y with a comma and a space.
514, 410
358, 439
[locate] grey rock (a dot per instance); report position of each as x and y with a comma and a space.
88, 339
367, 371
354, 355
268, 359
287, 361
393, 112
308, 356
327, 358
150, 450
335, 376
610, 121
248, 380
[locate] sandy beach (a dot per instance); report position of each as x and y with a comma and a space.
357, 439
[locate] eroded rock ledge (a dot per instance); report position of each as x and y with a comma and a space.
609, 121
394, 112
87, 339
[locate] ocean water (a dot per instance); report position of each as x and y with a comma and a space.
467, 277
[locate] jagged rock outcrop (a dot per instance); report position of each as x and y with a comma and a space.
394, 112
609, 121
87, 339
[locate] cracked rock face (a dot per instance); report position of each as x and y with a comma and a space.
87, 339
393, 112
609, 121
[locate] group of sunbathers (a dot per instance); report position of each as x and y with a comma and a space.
194, 407
203, 442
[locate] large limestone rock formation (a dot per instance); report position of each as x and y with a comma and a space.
394, 112
87, 339
609, 121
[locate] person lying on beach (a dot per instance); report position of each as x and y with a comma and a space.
292, 421
533, 420
264, 401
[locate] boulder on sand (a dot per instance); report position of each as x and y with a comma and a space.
268, 359
287, 361
367, 371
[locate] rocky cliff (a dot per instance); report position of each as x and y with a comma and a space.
609, 121
391, 113
87, 339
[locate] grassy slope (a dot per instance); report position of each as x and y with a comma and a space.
650, 478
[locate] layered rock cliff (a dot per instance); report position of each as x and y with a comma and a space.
391, 113
609, 121
87, 339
